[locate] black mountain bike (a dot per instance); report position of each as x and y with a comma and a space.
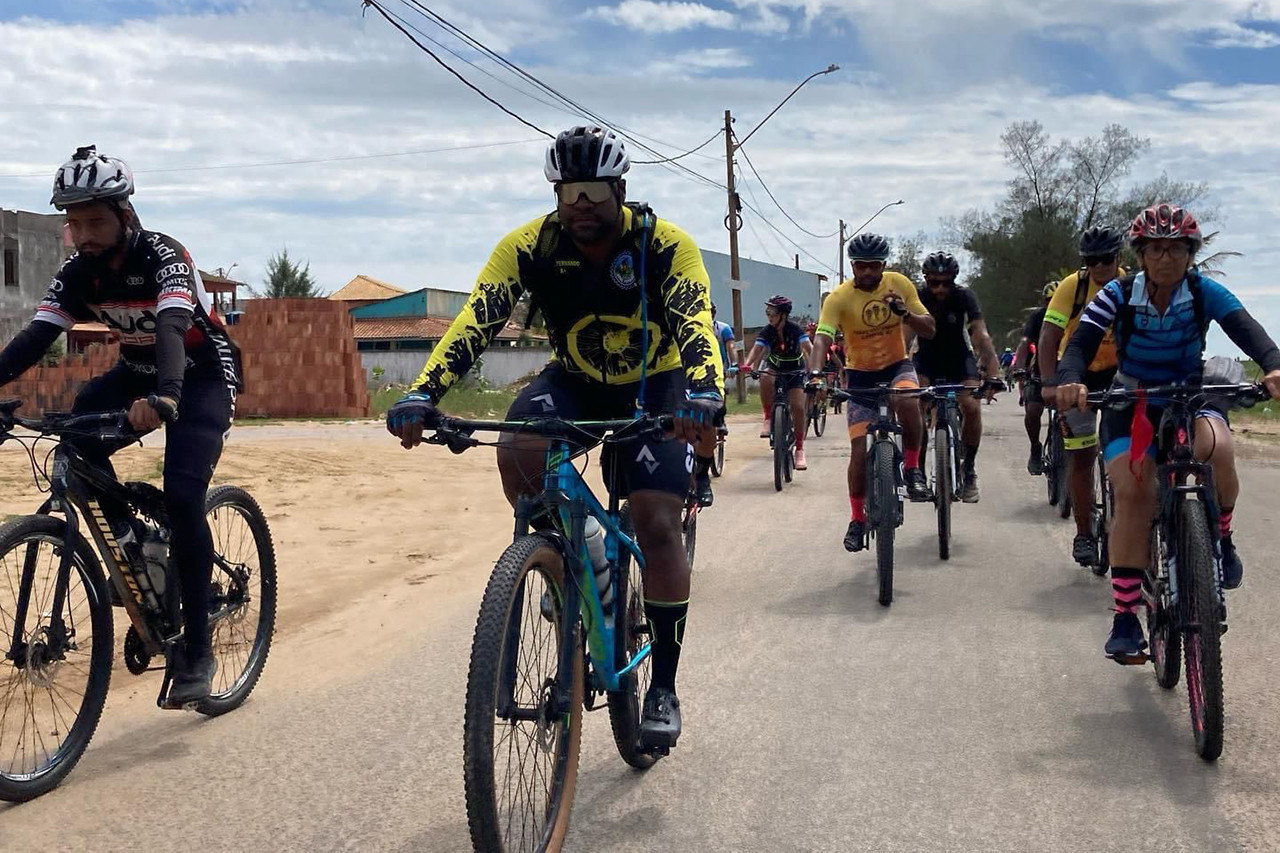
782, 433
947, 479
56, 616
1104, 506
816, 414
1185, 604
717, 458
1055, 464
886, 488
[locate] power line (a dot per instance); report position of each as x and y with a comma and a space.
765, 187
710, 139
747, 220
393, 22
305, 162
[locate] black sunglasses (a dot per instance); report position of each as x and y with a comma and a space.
1098, 260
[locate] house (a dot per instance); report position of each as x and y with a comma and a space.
365, 290
33, 246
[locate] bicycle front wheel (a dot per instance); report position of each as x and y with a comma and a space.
1203, 628
780, 448
520, 757
1102, 513
942, 490
1053, 455
885, 500
820, 420
242, 596
55, 685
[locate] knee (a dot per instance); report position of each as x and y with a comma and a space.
657, 522
1213, 444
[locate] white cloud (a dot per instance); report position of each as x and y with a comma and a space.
1234, 35
694, 61
663, 16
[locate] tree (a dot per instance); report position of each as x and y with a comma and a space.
286, 279
907, 256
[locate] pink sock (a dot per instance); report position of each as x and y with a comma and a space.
1126, 589
859, 508
1224, 522
911, 456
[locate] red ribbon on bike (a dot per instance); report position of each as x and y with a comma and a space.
1141, 434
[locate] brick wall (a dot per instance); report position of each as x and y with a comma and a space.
300, 360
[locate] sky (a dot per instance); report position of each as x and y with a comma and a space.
212, 102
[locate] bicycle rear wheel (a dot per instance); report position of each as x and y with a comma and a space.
1203, 626
780, 448
1103, 510
242, 597
625, 704
1166, 642
520, 758
717, 458
820, 420
885, 519
689, 530
1053, 453
55, 688
942, 490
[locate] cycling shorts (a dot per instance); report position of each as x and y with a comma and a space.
789, 380
1031, 395
941, 371
1117, 423
659, 464
1080, 426
862, 412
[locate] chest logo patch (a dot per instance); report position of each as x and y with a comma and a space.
876, 314
623, 271
135, 281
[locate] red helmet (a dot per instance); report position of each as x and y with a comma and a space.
780, 302
1165, 222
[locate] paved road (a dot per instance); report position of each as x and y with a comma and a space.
975, 714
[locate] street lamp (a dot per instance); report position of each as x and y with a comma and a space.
844, 239
733, 218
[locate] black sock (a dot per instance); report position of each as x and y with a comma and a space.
666, 622
1036, 448
970, 453
704, 464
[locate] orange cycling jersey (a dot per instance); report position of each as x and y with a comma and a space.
873, 334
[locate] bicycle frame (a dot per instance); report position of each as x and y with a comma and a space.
946, 410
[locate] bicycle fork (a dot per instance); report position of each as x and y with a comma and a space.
54, 645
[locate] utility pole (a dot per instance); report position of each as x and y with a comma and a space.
841, 253
732, 221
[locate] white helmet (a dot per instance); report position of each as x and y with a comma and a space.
90, 176
586, 154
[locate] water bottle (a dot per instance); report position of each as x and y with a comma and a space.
155, 552
593, 534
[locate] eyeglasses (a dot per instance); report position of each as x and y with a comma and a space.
938, 282
1166, 248
868, 266
1099, 260
595, 191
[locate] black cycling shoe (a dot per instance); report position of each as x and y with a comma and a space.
856, 537
193, 681
969, 494
702, 488
1126, 645
1084, 550
1035, 462
660, 722
1232, 568
917, 487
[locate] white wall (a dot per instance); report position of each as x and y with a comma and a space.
500, 366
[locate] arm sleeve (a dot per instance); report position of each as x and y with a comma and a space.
1031, 329
1060, 307
1248, 334
177, 282
686, 302
829, 317
172, 325
1081, 349
26, 348
485, 313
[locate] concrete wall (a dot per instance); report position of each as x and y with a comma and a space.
36, 239
758, 282
499, 366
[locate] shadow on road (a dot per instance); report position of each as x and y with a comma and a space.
1080, 593
854, 595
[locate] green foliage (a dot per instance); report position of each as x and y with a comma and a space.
1057, 190
908, 255
54, 355
287, 280
461, 401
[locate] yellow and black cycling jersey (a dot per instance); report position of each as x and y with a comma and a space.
593, 314
873, 337
1065, 310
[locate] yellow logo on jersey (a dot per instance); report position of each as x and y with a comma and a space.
608, 348
876, 313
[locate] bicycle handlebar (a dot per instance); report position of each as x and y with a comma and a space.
456, 433
1245, 394
109, 425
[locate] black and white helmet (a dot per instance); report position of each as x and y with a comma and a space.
941, 263
90, 176
586, 154
868, 247
1101, 240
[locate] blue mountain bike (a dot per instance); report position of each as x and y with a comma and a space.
550, 643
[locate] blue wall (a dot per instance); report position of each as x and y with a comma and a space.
758, 282
420, 303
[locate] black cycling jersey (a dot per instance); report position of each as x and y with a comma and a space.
784, 347
158, 274
953, 314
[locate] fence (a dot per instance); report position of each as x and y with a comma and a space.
299, 359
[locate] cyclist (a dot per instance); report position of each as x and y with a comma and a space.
1159, 319
1100, 250
1006, 358
706, 446
1024, 364
871, 309
785, 346
174, 350
582, 266
730, 357
948, 357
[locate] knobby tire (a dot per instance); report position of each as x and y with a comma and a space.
1203, 645
942, 490
885, 501
625, 704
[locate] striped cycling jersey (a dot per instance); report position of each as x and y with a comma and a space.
1161, 347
